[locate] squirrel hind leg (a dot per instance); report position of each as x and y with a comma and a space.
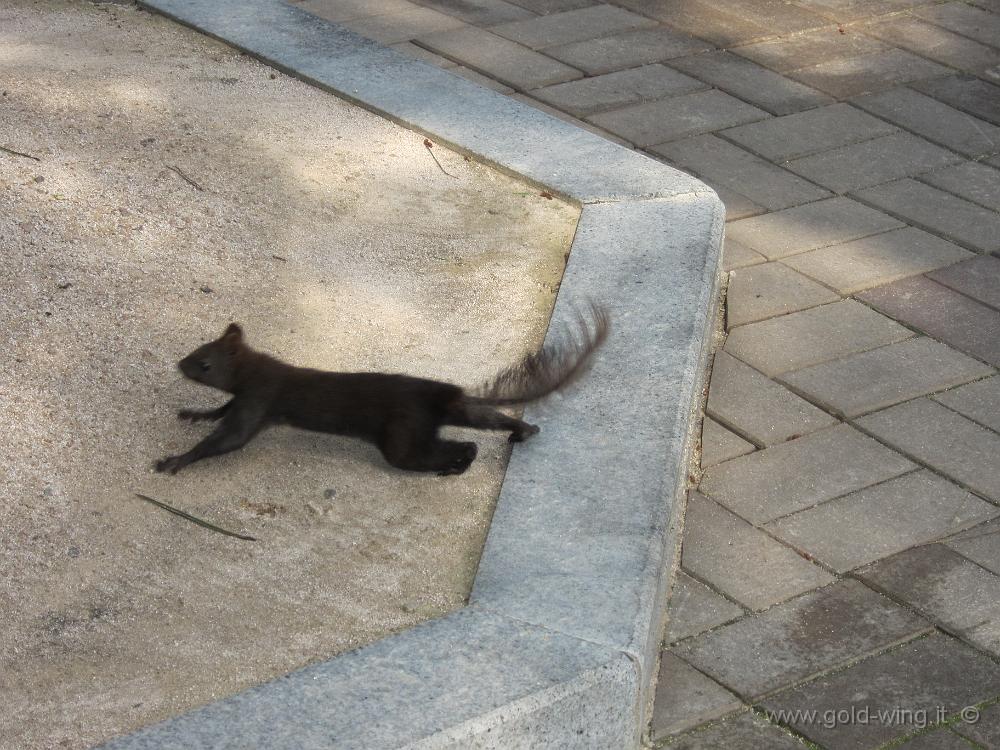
488, 418
412, 444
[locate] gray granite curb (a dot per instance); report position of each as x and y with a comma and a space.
558, 645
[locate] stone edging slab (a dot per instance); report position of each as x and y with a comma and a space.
559, 641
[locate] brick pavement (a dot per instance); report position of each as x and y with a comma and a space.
842, 552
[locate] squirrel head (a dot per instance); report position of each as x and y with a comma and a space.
217, 362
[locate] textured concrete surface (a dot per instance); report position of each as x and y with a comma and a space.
461, 667
116, 614
883, 58
654, 262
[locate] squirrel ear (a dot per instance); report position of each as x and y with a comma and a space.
233, 337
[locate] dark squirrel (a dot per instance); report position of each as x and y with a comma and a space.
398, 413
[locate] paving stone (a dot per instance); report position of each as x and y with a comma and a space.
719, 444
770, 289
810, 48
985, 731
419, 53
979, 401
757, 407
870, 162
778, 16
499, 58
737, 205
985, 636
801, 134
806, 338
940, 584
814, 225
748, 730
968, 93
731, 167
737, 255
934, 120
544, 7
614, 90
400, 27
479, 12
862, 383
571, 26
742, 562
842, 11
801, 638
695, 608
942, 439
339, 11
981, 544
939, 212
686, 698
934, 42
559, 114
801, 473
913, 680
678, 117
484, 81
938, 311
748, 81
880, 259
936, 739
868, 73
965, 20
627, 50
873, 523
977, 182
702, 19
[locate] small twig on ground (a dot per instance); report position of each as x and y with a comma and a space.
430, 147
186, 179
194, 519
278, 257
12, 152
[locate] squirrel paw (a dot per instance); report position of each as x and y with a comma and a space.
171, 465
190, 415
464, 456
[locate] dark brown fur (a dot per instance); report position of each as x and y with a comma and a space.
398, 413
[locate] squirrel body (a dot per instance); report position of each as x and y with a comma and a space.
398, 413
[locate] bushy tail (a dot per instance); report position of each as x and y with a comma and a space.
545, 371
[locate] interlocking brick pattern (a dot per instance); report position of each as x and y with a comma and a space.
844, 548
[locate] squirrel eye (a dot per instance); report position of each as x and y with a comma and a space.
205, 365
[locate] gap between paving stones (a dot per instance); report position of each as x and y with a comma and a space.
559, 644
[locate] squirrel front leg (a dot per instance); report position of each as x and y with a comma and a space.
197, 415
237, 428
